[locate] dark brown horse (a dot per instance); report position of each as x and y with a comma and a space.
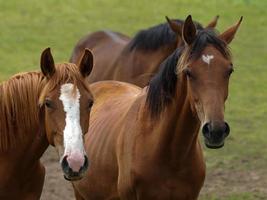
143, 143
38, 109
118, 57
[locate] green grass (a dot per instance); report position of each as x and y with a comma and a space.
29, 26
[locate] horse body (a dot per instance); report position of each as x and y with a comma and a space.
32, 115
102, 185
142, 65
160, 149
112, 53
135, 154
133, 60
103, 44
143, 143
22, 174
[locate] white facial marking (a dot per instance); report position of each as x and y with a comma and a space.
207, 58
73, 140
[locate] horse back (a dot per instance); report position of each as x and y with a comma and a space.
106, 47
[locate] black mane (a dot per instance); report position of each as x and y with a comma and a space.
156, 37
162, 87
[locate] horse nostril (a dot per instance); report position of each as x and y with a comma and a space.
206, 130
227, 129
85, 162
64, 164
85, 165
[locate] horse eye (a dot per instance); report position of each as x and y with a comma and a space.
230, 71
48, 103
91, 102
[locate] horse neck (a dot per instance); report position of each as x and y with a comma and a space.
151, 59
176, 129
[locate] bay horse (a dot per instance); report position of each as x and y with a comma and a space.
38, 109
143, 143
118, 57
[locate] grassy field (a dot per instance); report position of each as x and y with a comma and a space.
236, 172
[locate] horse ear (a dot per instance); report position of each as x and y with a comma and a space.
176, 28
189, 31
86, 63
213, 23
229, 34
47, 63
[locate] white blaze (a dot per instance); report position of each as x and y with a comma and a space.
207, 58
73, 140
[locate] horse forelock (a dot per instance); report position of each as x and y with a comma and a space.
65, 73
204, 38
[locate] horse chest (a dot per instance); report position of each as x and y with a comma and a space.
165, 183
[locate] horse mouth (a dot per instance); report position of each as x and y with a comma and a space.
72, 178
214, 145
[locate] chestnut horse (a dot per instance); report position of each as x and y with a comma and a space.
118, 57
143, 143
38, 109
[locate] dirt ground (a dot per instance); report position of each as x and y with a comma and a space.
219, 183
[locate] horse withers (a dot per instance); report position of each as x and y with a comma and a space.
143, 143
38, 109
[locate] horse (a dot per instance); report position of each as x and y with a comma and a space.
38, 109
118, 57
143, 142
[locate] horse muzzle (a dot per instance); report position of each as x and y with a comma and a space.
71, 173
215, 134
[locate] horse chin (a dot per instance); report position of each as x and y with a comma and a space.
213, 145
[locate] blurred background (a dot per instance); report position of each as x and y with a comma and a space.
236, 172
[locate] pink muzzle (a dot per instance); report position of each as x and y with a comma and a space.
76, 160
